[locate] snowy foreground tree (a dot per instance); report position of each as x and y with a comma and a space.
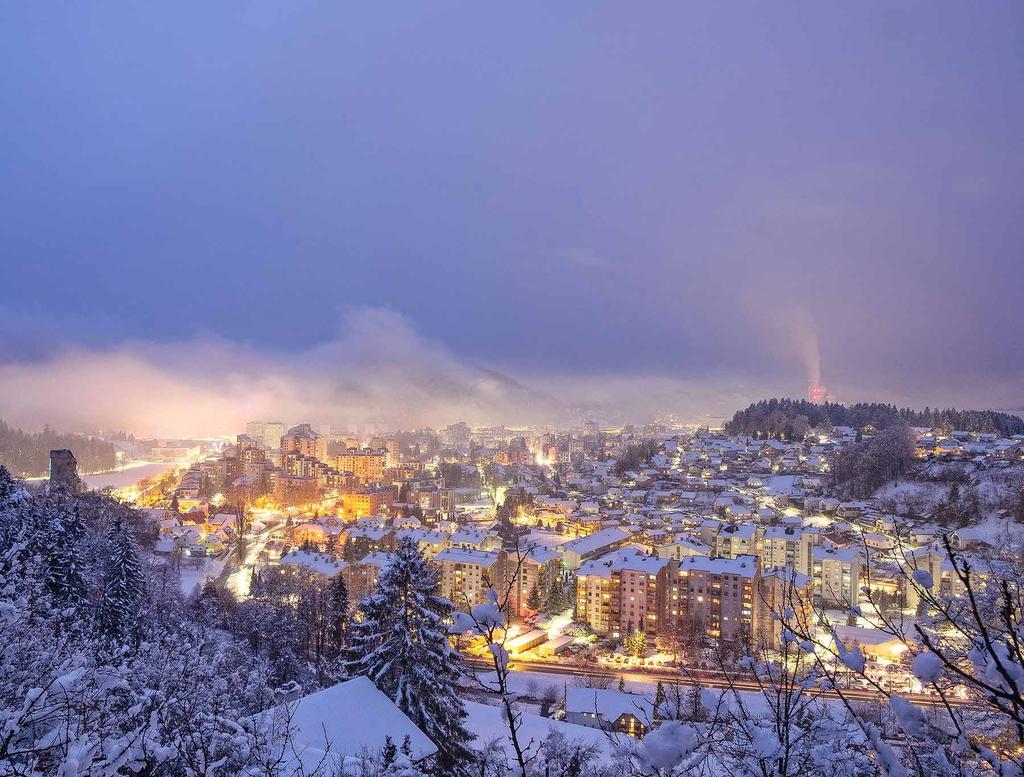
489, 621
103, 669
401, 644
965, 646
123, 583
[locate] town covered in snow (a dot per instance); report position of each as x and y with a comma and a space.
558, 389
610, 600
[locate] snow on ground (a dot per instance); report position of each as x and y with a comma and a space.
488, 723
546, 538
128, 476
923, 495
992, 530
352, 716
534, 683
192, 578
779, 484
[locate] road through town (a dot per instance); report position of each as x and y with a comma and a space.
704, 679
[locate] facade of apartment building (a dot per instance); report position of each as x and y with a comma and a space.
622, 592
368, 465
466, 575
718, 593
737, 539
538, 568
837, 573
790, 546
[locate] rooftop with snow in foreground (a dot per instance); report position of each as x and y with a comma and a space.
346, 719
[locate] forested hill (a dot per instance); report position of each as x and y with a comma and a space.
792, 417
27, 454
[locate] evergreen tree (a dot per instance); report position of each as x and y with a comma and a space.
8, 485
640, 644
533, 600
401, 645
337, 614
65, 578
555, 601
389, 751
123, 583
635, 643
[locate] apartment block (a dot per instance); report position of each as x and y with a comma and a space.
368, 465
538, 567
716, 592
837, 573
622, 592
782, 546
465, 575
737, 539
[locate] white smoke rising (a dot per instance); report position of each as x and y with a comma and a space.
803, 334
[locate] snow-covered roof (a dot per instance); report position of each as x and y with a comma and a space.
483, 558
323, 563
685, 541
610, 705
596, 541
467, 536
350, 717
842, 554
742, 531
542, 555
782, 533
378, 559
632, 559
745, 566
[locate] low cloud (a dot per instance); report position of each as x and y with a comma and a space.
379, 369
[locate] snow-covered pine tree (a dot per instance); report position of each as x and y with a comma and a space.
555, 601
401, 644
65, 579
9, 487
533, 601
337, 614
123, 582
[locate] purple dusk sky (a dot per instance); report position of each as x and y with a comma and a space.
694, 192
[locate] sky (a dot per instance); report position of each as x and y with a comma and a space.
426, 210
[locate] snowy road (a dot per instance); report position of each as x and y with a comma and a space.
703, 678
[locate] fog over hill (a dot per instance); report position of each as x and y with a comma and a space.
379, 368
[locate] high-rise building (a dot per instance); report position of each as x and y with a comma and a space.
836, 573
302, 439
273, 431
623, 592
466, 575
784, 596
787, 546
538, 568
267, 433
717, 593
392, 458
366, 464
737, 539
456, 436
